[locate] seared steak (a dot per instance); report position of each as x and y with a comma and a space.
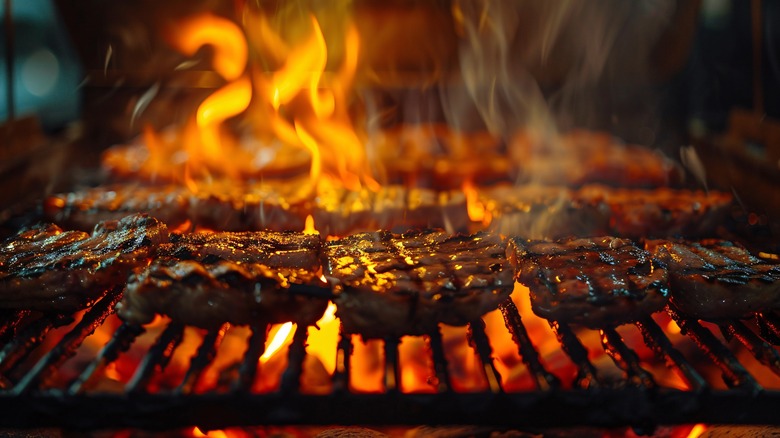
595, 282
406, 284
553, 212
217, 206
83, 209
46, 268
208, 279
714, 279
339, 212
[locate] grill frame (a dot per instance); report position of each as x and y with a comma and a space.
635, 401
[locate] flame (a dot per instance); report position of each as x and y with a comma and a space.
475, 207
309, 227
322, 339
279, 335
697, 431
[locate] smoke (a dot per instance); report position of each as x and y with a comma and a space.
555, 65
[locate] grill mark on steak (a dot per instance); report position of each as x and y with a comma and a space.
406, 284
595, 282
208, 279
545, 212
46, 268
716, 279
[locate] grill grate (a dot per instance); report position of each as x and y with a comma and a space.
28, 398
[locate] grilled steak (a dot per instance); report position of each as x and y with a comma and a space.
273, 249
207, 279
46, 268
540, 212
584, 157
595, 282
714, 279
395, 285
339, 212
659, 212
83, 209
551, 212
218, 205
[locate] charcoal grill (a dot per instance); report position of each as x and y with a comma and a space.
635, 400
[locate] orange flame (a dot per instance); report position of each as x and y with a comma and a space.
279, 335
322, 339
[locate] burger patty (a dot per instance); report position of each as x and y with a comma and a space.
715, 279
46, 268
208, 279
391, 285
595, 282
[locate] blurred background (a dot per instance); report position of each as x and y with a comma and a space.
662, 73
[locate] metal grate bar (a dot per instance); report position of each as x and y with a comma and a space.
121, 341
439, 361
514, 323
762, 350
159, 355
10, 323
656, 339
625, 358
248, 369
291, 378
587, 377
343, 363
202, 358
734, 374
29, 338
67, 346
392, 367
769, 323
479, 341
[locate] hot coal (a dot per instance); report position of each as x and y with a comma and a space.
406, 284
46, 268
716, 279
596, 282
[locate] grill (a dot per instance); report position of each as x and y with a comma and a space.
32, 397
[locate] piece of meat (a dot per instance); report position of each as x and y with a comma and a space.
391, 285
83, 209
273, 249
716, 279
229, 206
46, 268
595, 282
208, 279
661, 212
219, 205
340, 212
542, 212
553, 212
582, 157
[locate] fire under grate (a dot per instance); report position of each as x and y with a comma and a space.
30, 398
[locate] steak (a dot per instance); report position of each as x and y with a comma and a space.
406, 284
207, 279
218, 206
340, 212
46, 268
595, 282
716, 279
554, 212
83, 209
